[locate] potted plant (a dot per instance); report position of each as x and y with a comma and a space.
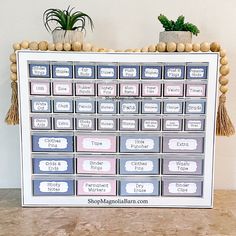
66, 26
177, 31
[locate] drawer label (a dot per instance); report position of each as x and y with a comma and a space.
195, 107
139, 144
174, 72
181, 188
84, 107
150, 124
107, 72
129, 90
151, 72
139, 166
151, 108
128, 124
146, 188
62, 71
53, 187
197, 72
40, 88
196, 90
107, 107
40, 106
173, 107
85, 89
172, 124
129, 72
85, 72
106, 124
63, 123
182, 144
194, 124
40, 123
53, 165
174, 90
129, 107
63, 89
63, 106
52, 143
39, 70
107, 90
182, 166
151, 90
85, 124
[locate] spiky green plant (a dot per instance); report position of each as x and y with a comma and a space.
178, 25
66, 19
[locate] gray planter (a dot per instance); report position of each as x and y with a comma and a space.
68, 36
175, 36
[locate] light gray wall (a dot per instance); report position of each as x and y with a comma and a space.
119, 24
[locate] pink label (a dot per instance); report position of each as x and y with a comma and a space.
151, 90
173, 90
107, 90
96, 165
87, 143
84, 89
60, 88
129, 89
40, 88
196, 90
96, 187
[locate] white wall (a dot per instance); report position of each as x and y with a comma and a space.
119, 24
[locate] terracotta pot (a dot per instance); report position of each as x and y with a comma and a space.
67, 36
175, 36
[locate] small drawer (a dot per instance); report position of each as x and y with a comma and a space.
140, 187
107, 107
96, 187
195, 107
177, 144
151, 72
40, 88
151, 124
182, 187
107, 90
96, 165
151, 89
133, 143
40, 70
194, 124
129, 124
197, 71
62, 71
129, 107
151, 107
174, 124
85, 123
62, 89
174, 72
63, 123
129, 72
96, 143
129, 90
173, 90
85, 106
84, 71
107, 124
139, 166
52, 143
41, 105
41, 123
195, 90
53, 165
53, 187
173, 107
107, 71
182, 166
83, 89
63, 106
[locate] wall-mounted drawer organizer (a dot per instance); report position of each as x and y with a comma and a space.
117, 129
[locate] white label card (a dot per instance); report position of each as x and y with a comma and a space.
53, 165
52, 143
182, 188
85, 72
129, 72
96, 165
174, 72
85, 124
182, 144
40, 123
151, 72
197, 72
62, 71
139, 144
96, 187
40, 106
182, 166
53, 187
39, 70
139, 166
107, 72
63, 123
63, 106
139, 188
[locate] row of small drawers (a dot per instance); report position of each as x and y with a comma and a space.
111, 89
124, 143
111, 123
191, 187
124, 165
106, 106
113, 71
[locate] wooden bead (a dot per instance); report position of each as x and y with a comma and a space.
171, 47
51, 46
43, 46
205, 47
94, 49
180, 47
76, 46
161, 47
13, 77
59, 46
24, 44
137, 50
87, 47
33, 46
188, 47
223, 80
144, 49
67, 46
222, 53
13, 57
13, 67
196, 47
215, 47
152, 48
224, 70
16, 46
224, 60
223, 89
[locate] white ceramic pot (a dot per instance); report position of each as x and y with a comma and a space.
175, 36
67, 36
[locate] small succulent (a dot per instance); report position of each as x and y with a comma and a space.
178, 25
66, 19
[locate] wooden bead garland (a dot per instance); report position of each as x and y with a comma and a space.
224, 125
